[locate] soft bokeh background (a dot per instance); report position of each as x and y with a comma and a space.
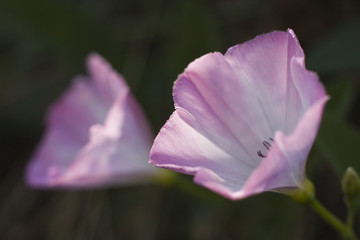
44, 43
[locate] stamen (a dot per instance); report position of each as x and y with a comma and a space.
260, 154
267, 145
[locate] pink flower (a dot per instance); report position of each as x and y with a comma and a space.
244, 121
96, 135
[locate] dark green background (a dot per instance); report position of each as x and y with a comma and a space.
43, 44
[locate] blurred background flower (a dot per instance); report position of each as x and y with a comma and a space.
43, 44
96, 135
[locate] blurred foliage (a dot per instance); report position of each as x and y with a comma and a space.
338, 140
43, 44
337, 51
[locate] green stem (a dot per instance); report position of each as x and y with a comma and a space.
350, 219
306, 195
351, 209
343, 228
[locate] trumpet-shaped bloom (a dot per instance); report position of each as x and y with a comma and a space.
244, 121
96, 135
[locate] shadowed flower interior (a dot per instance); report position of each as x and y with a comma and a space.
244, 121
97, 135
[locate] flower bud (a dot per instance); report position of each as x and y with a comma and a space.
351, 183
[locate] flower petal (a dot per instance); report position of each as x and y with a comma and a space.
208, 90
182, 147
117, 152
284, 167
100, 108
264, 63
107, 82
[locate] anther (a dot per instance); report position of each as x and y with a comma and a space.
267, 145
260, 154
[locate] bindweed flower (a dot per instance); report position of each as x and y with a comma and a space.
97, 135
244, 121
